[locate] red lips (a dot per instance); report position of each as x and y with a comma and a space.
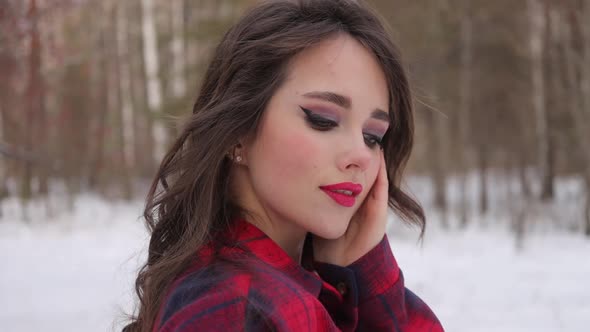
343, 198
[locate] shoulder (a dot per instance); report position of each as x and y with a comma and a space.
202, 293
257, 296
420, 316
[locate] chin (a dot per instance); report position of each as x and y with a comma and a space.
332, 232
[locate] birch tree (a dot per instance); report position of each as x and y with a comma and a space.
178, 85
153, 83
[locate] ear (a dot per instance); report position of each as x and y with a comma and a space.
238, 154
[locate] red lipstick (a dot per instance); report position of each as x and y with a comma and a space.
343, 193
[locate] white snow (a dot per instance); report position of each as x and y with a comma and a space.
475, 280
75, 271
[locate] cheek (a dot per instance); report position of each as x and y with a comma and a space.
286, 157
293, 153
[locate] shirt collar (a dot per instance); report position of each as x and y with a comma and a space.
253, 240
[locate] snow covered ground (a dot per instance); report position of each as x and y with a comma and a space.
476, 281
75, 272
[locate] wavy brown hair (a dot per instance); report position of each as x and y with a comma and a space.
189, 200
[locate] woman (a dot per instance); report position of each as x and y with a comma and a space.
269, 211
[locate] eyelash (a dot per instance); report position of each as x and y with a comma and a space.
374, 141
322, 124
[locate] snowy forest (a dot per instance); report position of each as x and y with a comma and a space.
93, 91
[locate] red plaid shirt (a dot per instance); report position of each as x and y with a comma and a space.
256, 286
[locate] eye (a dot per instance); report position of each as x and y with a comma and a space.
318, 122
373, 141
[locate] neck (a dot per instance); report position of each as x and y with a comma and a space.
286, 235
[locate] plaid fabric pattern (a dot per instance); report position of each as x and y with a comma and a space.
256, 286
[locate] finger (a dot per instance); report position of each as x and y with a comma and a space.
381, 186
376, 199
375, 209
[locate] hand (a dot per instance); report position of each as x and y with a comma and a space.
365, 230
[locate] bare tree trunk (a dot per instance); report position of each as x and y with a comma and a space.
142, 125
98, 154
41, 137
538, 24
178, 85
192, 45
437, 166
438, 132
585, 97
42, 134
587, 207
126, 112
551, 103
144, 140
557, 94
9, 110
576, 61
3, 168
33, 101
518, 207
483, 182
33, 92
3, 108
154, 86
525, 186
464, 110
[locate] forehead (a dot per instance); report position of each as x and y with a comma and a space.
341, 65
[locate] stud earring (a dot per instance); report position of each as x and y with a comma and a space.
239, 159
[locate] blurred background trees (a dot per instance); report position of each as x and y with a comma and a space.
92, 92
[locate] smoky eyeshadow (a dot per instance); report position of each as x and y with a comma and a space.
320, 114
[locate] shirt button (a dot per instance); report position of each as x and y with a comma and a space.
342, 288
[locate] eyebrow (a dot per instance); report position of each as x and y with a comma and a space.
344, 102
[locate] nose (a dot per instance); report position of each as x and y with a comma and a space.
354, 155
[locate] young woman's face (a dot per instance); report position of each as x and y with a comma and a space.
320, 132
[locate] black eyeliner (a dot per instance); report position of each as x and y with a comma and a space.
320, 123
317, 121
